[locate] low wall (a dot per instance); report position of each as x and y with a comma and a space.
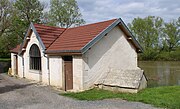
4, 66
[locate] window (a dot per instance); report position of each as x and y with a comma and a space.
35, 57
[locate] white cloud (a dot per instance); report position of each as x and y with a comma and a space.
98, 10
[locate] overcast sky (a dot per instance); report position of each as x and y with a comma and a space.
99, 10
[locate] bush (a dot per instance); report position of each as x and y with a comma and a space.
175, 55
161, 56
169, 56
148, 55
5, 55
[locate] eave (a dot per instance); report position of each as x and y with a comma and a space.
107, 30
27, 39
122, 26
63, 52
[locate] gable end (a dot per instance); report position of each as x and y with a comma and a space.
27, 37
99, 36
134, 41
107, 30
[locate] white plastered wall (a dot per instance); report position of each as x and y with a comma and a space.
52, 76
77, 73
55, 65
20, 66
13, 63
57, 72
35, 74
112, 52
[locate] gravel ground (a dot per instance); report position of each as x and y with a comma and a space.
24, 94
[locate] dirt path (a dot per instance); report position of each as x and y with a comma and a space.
21, 94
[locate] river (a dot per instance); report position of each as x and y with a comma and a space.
161, 73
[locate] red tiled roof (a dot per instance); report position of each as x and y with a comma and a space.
73, 40
16, 49
48, 34
76, 38
55, 38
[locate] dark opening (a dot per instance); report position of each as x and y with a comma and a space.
35, 57
67, 58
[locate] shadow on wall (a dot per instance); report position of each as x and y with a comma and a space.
4, 66
98, 52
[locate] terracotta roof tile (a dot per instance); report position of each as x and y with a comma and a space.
76, 38
57, 39
48, 34
16, 49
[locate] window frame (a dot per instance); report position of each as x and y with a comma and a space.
35, 58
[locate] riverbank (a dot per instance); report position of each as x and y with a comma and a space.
161, 73
160, 56
169, 56
165, 97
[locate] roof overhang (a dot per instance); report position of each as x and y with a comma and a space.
13, 52
130, 36
107, 30
27, 38
63, 52
119, 22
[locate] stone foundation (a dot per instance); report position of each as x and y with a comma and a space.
129, 81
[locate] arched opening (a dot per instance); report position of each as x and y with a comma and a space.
35, 58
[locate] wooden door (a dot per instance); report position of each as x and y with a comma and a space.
16, 64
68, 73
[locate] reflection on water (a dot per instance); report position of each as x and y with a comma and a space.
161, 73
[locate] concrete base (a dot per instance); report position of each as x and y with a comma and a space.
117, 89
129, 81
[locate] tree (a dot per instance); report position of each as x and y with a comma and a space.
171, 35
27, 11
15, 17
65, 13
147, 31
5, 15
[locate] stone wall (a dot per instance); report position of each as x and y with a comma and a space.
113, 51
123, 81
4, 66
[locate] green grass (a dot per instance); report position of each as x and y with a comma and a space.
5, 59
166, 97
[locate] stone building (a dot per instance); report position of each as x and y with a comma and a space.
101, 54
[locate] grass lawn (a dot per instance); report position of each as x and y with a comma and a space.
5, 59
166, 97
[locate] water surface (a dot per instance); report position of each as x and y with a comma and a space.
161, 73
